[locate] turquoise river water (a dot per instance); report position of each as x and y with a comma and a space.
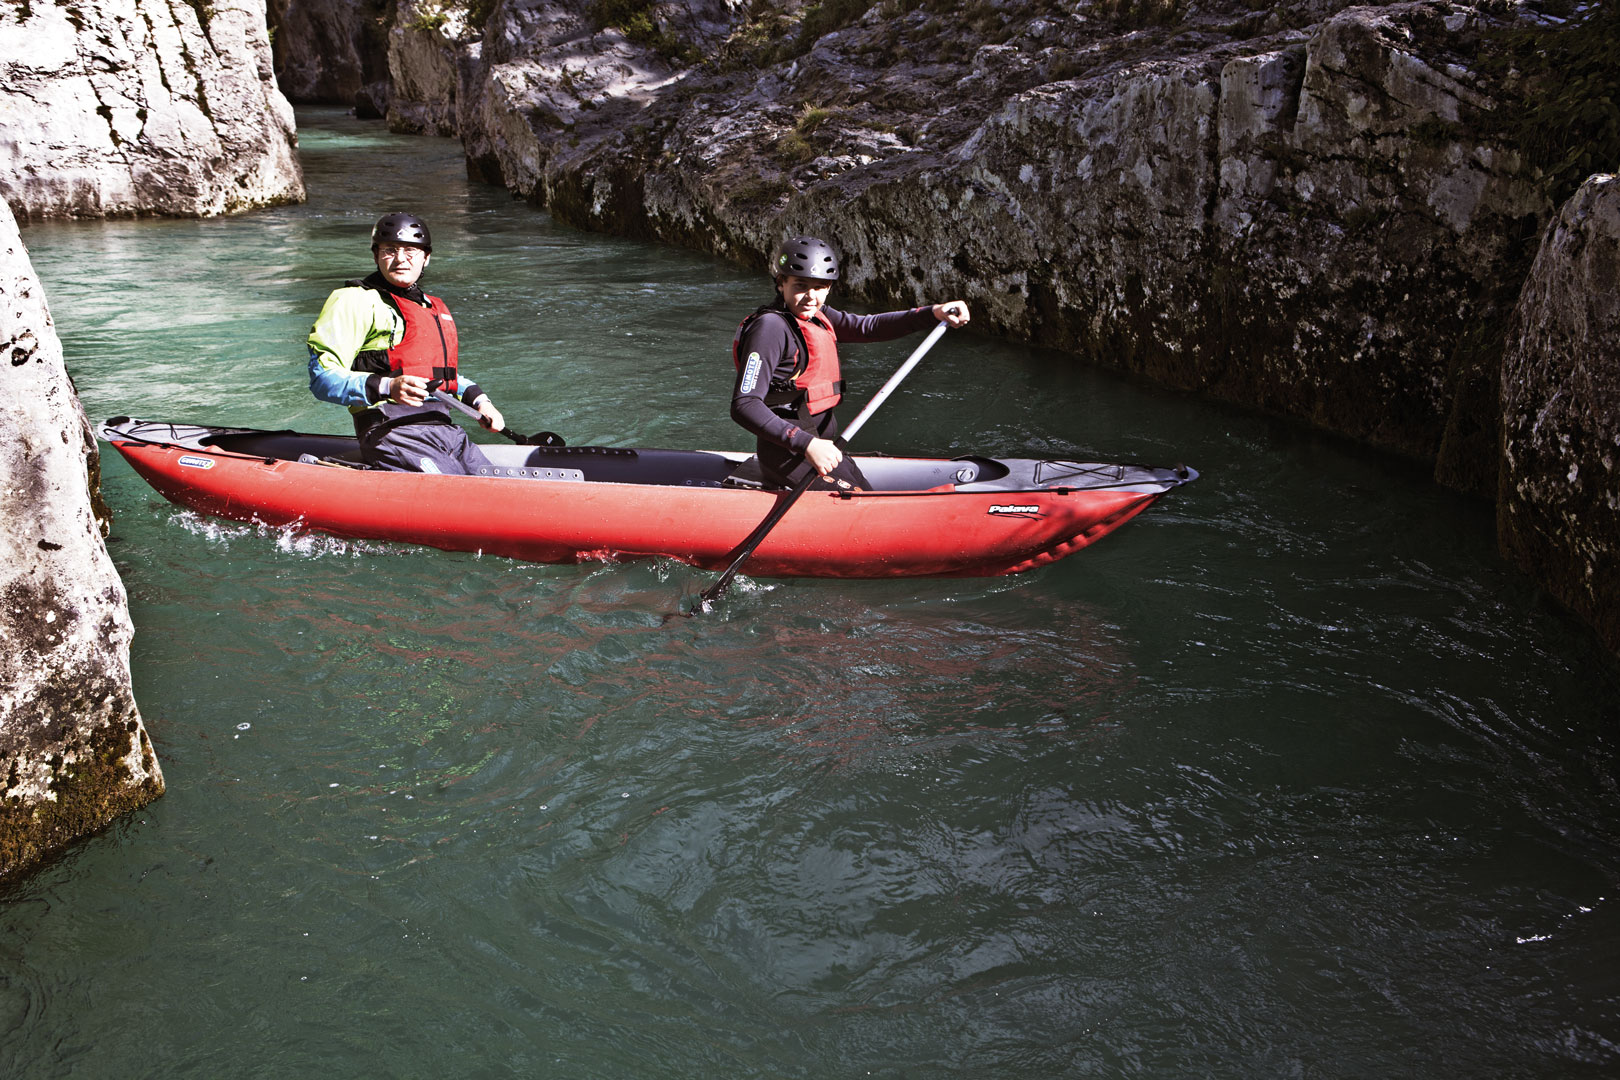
1291, 777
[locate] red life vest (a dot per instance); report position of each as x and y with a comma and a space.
815, 373
428, 347
818, 377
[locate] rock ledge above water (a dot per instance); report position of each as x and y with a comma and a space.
130, 107
74, 753
1558, 512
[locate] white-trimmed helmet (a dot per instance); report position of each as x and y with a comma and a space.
401, 229
806, 257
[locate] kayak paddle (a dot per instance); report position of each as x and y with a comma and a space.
707, 598
539, 438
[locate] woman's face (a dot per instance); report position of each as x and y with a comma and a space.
803, 296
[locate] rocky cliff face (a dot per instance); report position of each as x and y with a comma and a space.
426, 52
73, 751
540, 72
1559, 507
120, 108
133, 107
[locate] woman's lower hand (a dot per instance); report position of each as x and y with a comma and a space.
823, 455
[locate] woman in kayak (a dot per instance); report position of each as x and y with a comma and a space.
788, 376
381, 346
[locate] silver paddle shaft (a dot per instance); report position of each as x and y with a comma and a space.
894, 380
456, 403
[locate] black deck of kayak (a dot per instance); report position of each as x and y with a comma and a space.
617, 465
678, 468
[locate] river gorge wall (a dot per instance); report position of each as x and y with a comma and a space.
1558, 510
1306, 219
130, 107
1321, 210
74, 753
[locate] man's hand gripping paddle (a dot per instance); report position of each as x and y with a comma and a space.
539, 438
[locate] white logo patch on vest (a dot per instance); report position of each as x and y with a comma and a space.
750, 377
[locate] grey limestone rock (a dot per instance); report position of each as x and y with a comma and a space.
1302, 220
74, 753
1558, 510
132, 107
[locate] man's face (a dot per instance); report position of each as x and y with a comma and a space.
803, 296
401, 264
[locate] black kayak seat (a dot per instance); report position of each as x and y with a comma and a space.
746, 475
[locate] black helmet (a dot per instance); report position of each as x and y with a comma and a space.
806, 257
401, 229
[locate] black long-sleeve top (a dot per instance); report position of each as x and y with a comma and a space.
778, 350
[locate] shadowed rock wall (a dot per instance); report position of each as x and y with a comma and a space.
1559, 508
333, 52
1303, 218
73, 751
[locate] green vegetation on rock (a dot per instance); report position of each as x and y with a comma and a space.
1568, 122
427, 22
638, 20
798, 146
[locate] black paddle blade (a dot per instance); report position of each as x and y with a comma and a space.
539, 438
708, 597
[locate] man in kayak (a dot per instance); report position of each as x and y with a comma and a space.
787, 366
381, 346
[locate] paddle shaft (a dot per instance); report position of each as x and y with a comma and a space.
894, 380
541, 438
457, 403
763, 529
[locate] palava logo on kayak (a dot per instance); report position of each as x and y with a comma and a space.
194, 462
1015, 509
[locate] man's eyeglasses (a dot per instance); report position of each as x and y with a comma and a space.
404, 252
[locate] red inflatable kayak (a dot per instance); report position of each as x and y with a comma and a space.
967, 516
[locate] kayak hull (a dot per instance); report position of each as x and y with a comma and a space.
945, 530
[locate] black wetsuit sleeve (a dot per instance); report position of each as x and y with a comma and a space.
769, 353
882, 327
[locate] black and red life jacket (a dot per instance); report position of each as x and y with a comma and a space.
427, 348
815, 386
429, 345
